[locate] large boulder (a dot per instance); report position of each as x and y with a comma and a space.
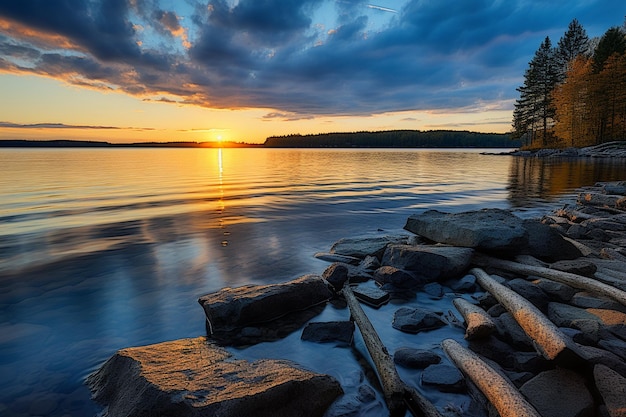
249, 310
193, 377
429, 263
546, 243
360, 247
487, 229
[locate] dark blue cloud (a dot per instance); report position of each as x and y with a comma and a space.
273, 53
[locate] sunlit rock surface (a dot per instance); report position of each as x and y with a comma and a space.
193, 377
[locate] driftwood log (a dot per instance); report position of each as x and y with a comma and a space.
547, 338
573, 280
479, 323
397, 394
500, 392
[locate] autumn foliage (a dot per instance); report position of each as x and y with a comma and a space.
574, 96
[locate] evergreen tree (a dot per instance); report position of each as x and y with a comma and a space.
534, 111
574, 42
612, 42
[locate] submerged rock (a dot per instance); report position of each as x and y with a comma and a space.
194, 377
339, 332
415, 320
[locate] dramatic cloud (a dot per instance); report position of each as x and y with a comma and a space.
304, 58
11, 125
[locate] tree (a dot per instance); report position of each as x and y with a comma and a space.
534, 111
612, 42
571, 99
573, 43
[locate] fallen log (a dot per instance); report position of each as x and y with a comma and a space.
479, 323
507, 400
573, 280
547, 338
397, 394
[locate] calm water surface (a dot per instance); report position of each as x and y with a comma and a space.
109, 248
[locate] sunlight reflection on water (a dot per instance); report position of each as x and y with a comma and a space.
109, 248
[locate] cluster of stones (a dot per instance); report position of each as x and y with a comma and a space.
513, 329
605, 150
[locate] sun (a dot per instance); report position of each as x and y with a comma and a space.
219, 138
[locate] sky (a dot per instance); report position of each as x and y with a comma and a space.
243, 70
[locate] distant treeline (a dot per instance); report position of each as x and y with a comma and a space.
97, 144
396, 139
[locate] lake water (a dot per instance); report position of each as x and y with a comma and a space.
102, 249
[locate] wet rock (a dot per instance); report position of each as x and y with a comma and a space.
194, 377
415, 358
279, 308
465, 284
333, 257
574, 399
434, 289
564, 315
612, 388
360, 247
370, 295
487, 229
546, 243
369, 263
595, 356
510, 331
396, 277
529, 362
531, 292
444, 377
495, 350
576, 266
415, 320
336, 275
339, 332
429, 263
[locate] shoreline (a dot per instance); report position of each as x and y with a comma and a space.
594, 208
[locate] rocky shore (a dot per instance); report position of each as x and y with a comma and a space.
605, 150
540, 314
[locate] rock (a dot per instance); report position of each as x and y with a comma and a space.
546, 243
434, 289
584, 299
617, 346
396, 277
564, 315
487, 229
283, 307
194, 377
529, 362
558, 291
612, 388
531, 292
465, 284
415, 320
597, 356
495, 350
510, 331
559, 393
371, 295
429, 263
576, 266
369, 263
360, 247
336, 275
445, 377
415, 358
339, 332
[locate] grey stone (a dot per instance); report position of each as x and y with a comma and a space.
371, 295
465, 284
559, 291
595, 356
529, 362
334, 257
194, 377
415, 358
281, 308
546, 243
487, 229
369, 263
575, 266
445, 377
336, 275
339, 332
564, 315
574, 399
588, 300
360, 247
429, 263
434, 289
617, 346
415, 320
495, 350
531, 292
612, 388
396, 277
510, 331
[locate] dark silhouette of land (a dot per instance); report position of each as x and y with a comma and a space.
383, 139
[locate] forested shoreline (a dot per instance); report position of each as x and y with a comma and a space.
396, 139
574, 94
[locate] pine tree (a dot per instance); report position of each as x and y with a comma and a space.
574, 42
612, 42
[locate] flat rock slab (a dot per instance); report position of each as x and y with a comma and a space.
193, 377
429, 263
415, 320
360, 247
252, 304
487, 229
